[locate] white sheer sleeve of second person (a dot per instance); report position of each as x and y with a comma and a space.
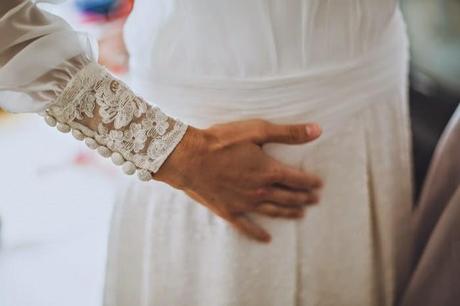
48, 68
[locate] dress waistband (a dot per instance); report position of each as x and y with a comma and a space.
327, 94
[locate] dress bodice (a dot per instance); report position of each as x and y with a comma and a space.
241, 38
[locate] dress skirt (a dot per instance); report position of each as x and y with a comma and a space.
352, 249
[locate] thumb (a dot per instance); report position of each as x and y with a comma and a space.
290, 134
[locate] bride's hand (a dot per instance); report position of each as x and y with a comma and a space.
225, 169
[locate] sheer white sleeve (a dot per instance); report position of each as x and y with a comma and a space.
47, 68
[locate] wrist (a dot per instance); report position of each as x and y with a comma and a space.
177, 171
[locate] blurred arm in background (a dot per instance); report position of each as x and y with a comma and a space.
434, 32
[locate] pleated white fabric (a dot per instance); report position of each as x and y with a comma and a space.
342, 63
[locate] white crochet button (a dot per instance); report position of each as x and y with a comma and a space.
129, 168
144, 175
117, 159
78, 134
91, 143
64, 128
104, 151
50, 120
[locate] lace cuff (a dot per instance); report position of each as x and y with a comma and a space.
111, 119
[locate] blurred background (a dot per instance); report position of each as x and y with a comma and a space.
434, 33
53, 235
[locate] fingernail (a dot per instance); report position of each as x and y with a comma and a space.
319, 184
313, 129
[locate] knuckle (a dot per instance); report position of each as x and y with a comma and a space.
263, 128
260, 122
262, 192
261, 131
259, 125
253, 120
294, 133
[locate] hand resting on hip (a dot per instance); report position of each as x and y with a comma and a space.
225, 169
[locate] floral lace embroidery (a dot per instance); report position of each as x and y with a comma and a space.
142, 134
118, 105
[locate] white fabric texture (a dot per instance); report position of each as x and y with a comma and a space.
47, 67
342, 63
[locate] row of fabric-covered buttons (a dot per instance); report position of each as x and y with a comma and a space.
127, 166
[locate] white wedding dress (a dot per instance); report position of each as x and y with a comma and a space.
342, 63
